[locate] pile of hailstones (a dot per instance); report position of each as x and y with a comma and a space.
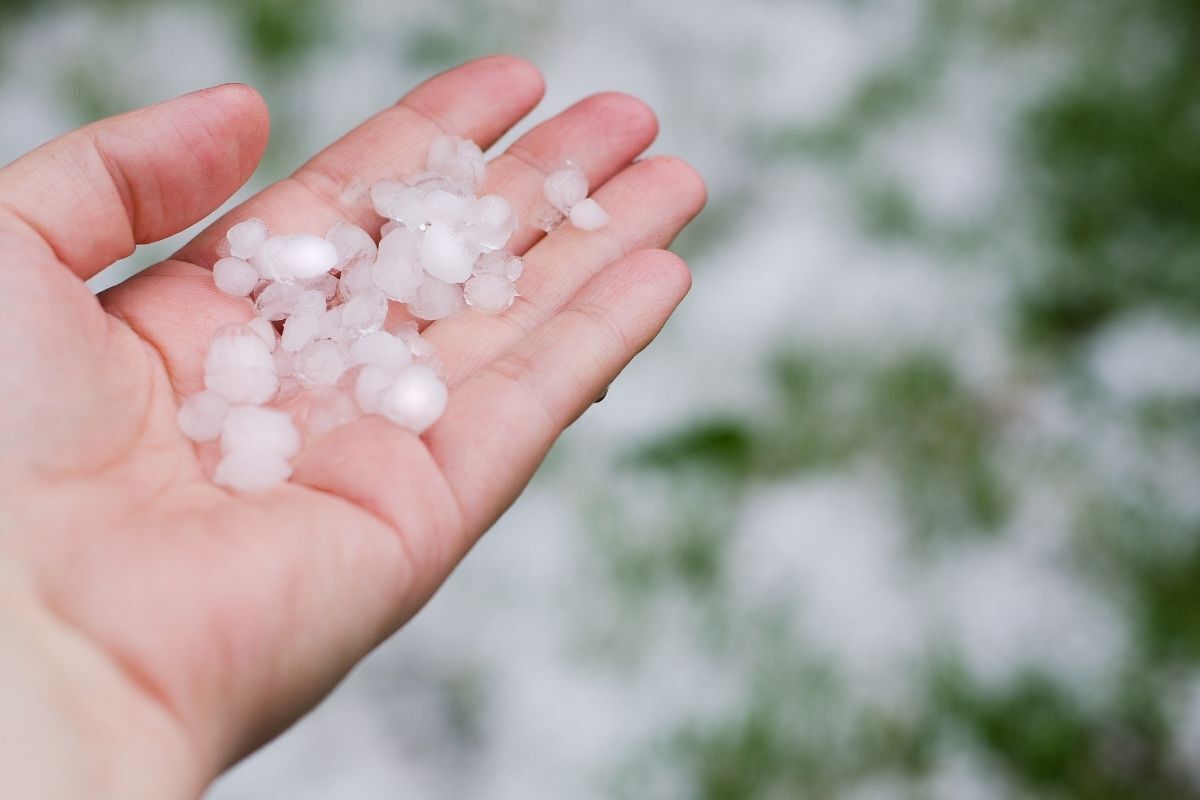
321, 348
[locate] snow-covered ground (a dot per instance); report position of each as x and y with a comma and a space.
873, 602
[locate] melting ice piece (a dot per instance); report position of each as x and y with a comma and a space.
351, 243
415, 399
383, 350
362, 314
235, 276
248, 471
304, 256
588, 215
266, 332
437, 299
240, 367
201, 415
263, 430
398, 272
256, 444
298, 331
446, 255
321, 363
565, 187
247, 238
372, 382
460, 160
493, 222
264, 259
490, 292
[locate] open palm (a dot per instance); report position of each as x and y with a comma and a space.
163, 626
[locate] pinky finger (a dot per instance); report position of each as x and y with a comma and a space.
501, 421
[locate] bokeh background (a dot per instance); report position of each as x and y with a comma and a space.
905, 502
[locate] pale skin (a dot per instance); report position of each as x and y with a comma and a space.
156, 627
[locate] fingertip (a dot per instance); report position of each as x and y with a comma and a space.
688, 183
633, 113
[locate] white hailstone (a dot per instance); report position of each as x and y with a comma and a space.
262, 430
493, 222
264, 259
277, 300
411, 336
265, 330
499, 263
356, 279
398, 272
240, 367
235, 276
364, 313
588, 215
489, 292
321, 363
446, 208
223, 249
548, 219
565, 187
309, 302
436, 299
415, 399
381, 349
201, 415
351, 243
399, 202
304, 256
460, 160
369, 387
299, 330
446, 255
329, 325
248, 471
247, 238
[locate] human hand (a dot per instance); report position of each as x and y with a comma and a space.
156, 627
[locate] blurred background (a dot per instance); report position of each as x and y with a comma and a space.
905, 502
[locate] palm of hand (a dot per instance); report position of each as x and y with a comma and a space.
198, 622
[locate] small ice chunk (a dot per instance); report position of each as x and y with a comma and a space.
299, 330
266, 431
356, 279
415, 400
277, 300
446, 208
460, 160
321, 363
372, 382
565, 187
500, 263
264, 259
305, 256
436, 299
489, 292
364, 313
265, 330
419, 345
548, 219
201, 415
381, 349
493, 222
588, 215
285, 366
398, 272
351, 243
445, 255
235, 276
247, 238
309, 302
248, 471
326, 284
240, 368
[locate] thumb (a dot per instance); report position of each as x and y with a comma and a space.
95, 193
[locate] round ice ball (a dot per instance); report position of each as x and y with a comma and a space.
305, 256
415, 399
565, 187
247, 238
235, 276
490, 292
